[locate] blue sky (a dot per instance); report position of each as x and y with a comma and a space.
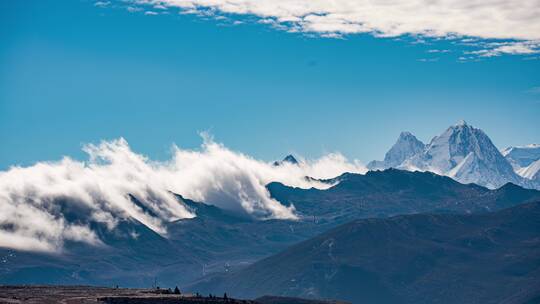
72, 72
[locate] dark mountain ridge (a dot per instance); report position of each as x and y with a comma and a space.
393, 192
421, 258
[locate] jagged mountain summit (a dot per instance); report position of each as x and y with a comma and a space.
406, 146
466, 154
289, 159
462, 152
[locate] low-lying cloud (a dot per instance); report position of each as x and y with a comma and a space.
517, 20
44, 205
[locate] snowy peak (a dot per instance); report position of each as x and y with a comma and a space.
289, 159
468, 155
464, 139
406, 137
461, 123
450, 148
407, 145
405, 134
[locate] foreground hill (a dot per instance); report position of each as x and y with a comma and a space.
423, 258
217, 240
92, 295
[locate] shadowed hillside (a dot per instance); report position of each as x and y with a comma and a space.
424, 258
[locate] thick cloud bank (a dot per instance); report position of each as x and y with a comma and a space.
487, 19
46, 204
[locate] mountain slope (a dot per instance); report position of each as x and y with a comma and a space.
532, 171
423, 258
522, 156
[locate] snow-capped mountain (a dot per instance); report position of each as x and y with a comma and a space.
522, 157
407, 145
466, 154
462, 152
289, 159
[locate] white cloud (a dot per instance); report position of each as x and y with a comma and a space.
133, 9
44, 205
428, 59
102, 3
24, 226
438, 51
510, 48
160, 7
515, 23
488, 19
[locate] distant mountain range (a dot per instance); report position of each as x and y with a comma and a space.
218, 240
423, 258
467, 155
